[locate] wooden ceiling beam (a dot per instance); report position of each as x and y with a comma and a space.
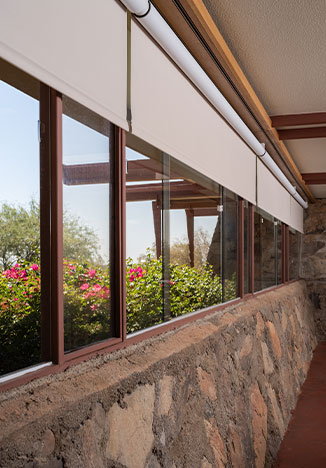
293, 120
314, 178
302, 133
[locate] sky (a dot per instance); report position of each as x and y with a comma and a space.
19, 177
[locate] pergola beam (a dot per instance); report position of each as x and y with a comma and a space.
293, 120
314, 178
302, 133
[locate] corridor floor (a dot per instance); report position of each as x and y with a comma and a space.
304, 444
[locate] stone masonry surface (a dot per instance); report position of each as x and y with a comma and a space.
215, 393
313, 261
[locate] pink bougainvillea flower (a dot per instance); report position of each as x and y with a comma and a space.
106, 292
91, 273
131, 278
15, 299
34, 267
84, 286
94, 307
97, 288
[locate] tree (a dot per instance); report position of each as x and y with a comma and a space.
179, 251
20, 236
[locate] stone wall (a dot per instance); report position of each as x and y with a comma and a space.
215, 393
313, 261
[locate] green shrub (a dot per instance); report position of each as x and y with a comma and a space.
86, 290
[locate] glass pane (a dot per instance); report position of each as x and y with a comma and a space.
230, 245
144, 193
194, 280
279, 251
19, 221
295, 252
246, 248
86, 226
265, 251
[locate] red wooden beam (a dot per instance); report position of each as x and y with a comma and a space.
314, 178
99, 173
293, 120
300, 133
178, 191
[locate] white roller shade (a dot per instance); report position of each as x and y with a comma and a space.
296, 220
78, 47
271, 195
168, 112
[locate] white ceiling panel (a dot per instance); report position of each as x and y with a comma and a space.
319, 191
309, 154
280, 46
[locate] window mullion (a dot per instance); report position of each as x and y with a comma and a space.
57, 322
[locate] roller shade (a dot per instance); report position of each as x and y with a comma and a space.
271, 195
296, 220
78, 47
169, 112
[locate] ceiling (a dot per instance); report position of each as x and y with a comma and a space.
280, 46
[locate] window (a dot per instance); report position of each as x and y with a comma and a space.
177, 223
265, 251
103, 236
295, 239
20, 278
87, 198
247, 247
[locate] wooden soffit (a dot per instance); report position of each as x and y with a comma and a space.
195, 27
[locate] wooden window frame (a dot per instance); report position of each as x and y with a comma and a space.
51, 210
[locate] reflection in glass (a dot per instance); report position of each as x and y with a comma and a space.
86, 226
247, 249
278, 228
144, 194
230, 245
196, 244
20, 278
295, 253
265, 251
177, 221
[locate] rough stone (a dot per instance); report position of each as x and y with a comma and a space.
276, 412
313, 261
207, 384
165, 395
205, 463
274, 339
45, 447
284, 322
236, 449
260, 324
259, 425
293, 325
90, 448
246, 347
147, 405
268, 363
131, 436
216, 443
